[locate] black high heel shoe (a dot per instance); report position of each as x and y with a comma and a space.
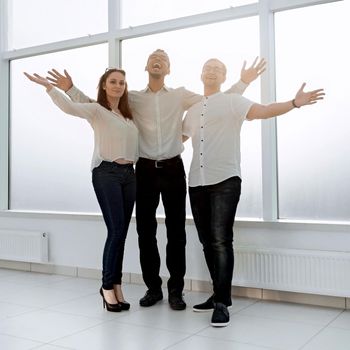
125, 305
110, 307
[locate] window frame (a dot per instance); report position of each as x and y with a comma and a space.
264, 9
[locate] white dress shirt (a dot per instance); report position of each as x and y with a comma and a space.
158, 116
215, 125
115, 136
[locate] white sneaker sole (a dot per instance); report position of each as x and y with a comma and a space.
222, 324
208, 310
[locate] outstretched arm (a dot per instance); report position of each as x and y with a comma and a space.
36, 78
83, 110
248, 75
302, 98
62, 82
65, 83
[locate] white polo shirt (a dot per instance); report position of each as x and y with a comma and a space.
115, 137
158, 116
214, 124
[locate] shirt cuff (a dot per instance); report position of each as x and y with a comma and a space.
242, 85
72, 91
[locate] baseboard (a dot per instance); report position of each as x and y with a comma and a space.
190, 285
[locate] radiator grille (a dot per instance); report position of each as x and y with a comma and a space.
304, 271
27, 246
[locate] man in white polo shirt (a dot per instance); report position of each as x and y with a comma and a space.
157, 112
215, 178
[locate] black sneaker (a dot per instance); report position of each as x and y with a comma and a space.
151, 297
221, 316
176, 301
207, 305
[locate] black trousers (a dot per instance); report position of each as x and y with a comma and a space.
214, 209
165, 179
115, 187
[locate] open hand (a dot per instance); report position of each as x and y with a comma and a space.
63, 82
36, 78
303, 98
254, 71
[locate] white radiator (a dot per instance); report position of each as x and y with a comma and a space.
28, 246
304, 271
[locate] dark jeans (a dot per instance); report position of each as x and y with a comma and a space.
115, 188
168, 180
214, 209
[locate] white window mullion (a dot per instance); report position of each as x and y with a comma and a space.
114, 24
268, 127
4, 109
281, 5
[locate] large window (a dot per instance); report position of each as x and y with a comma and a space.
34, 22
313, 142
50, 150
188, 50
136, 12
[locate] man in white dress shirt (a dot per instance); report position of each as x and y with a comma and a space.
215, 178
158, 112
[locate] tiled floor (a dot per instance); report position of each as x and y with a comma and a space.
52, 312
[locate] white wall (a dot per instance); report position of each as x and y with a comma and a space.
77, 240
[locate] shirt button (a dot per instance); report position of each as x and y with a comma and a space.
201, 140
201, 166
201, 154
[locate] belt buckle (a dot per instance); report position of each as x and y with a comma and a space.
158, 164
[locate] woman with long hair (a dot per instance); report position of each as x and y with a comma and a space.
113, 177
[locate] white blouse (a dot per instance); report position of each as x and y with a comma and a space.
215, 125
158, 116
115, 136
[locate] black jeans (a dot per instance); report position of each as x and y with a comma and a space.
214, 209
168, 180
115, 188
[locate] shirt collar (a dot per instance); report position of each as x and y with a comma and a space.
147, 89
212, 96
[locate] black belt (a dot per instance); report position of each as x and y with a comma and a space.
159, 163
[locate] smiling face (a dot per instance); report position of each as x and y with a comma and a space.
158, 64
114, 85
213, 73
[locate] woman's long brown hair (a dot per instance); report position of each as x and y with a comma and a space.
102, 96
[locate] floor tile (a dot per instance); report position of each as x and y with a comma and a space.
78, 284
41, 296
45, 326
88, 306
9, 310
7, 289
267, 332
14, 343
9, 272
330, 339
54, 312
204, 343
292, 312
162, 317
115, 335
34, 278
342, 321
